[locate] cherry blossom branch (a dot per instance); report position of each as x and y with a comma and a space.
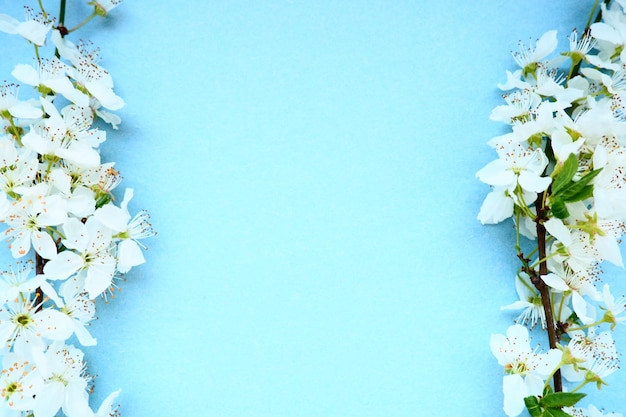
559, 175
56, 202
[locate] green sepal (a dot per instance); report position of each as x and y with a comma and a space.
579, 190
575, 56
547, 390
43, 90
530, 69
567, 172
561, 399
536, 139
559, 209
532, 405
102, 199
16, 132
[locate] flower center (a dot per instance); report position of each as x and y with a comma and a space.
23, 320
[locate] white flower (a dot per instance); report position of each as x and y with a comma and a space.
34, 28
81, 310
18, 168
611, 33
525, 370
128, 231
28, 216
599, 368
614, 83
580, 46
526, 57
20, 381
64, 387
517, 165
66, 136
596, 122
80, 200
581, 255
529, 302
614, 308
586, 348
88, 255
579, 284
609, 189
23, 326
51, 75
520, 107
15, 107
87, 73
101, 179
547, 118
604, 233
19, 280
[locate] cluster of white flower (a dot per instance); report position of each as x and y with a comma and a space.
561, 176
57, 206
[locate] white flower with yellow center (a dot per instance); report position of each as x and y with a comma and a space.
525, 370
29, 216
20, 382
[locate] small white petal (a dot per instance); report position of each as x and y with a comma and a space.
533, 182
496, 207
557, 228
26, 74
554, 281
63, 265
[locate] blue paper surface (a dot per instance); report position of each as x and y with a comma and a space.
310, 169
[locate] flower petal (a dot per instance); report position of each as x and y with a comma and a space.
514, 394
63, 265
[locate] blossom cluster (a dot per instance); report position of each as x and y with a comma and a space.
57, 206
560, 176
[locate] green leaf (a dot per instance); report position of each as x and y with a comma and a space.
585, 193
561, 399
559, 209
568, 170
555, 412
573, 190
532, 405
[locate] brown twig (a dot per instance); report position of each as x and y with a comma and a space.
39, 264
541, 285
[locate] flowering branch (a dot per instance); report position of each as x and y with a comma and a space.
58, 205
559, 175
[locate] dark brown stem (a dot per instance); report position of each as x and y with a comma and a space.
542, 287
39, 264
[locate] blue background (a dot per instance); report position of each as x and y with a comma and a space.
310, 169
